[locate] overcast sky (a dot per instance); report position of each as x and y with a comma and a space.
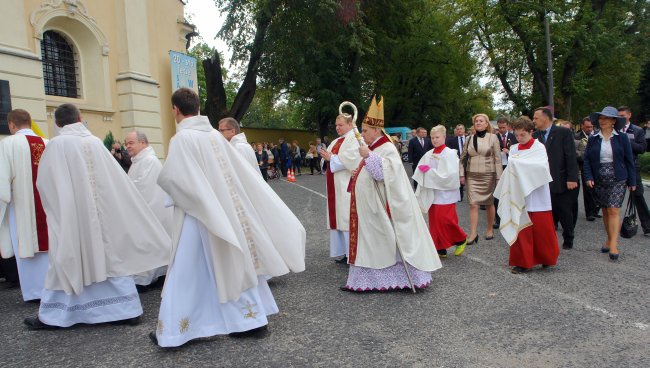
207, 19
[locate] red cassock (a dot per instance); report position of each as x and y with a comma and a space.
443, 226
537, 244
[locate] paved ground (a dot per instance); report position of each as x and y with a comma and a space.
585, 312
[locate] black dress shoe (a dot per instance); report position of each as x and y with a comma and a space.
9, 285
496, 226
34, 324
545, 267
153, 338
129, 321
343, 260
598, 216
517, 270
256, 332
142, 288
591, 218
567, 246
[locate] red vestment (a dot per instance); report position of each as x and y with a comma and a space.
443, 226
537, 243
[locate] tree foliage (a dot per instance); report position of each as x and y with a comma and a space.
305, 57
598, 50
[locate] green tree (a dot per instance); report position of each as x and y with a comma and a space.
598, 49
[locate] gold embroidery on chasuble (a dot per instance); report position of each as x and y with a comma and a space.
184, 325
239, 209
92, 180
37, 149
250, 313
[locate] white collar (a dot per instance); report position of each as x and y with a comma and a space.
197, 122
78, 129
351, 131
26, 131
600, 133
147, 151
239, 138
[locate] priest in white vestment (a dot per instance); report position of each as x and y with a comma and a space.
23, 227
525, 197
144, 171
387, 230
100, 231
231, 232
438, 179
343, 157
229, 127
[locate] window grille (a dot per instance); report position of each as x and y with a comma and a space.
60, 70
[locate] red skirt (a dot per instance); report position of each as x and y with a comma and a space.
536, 244
443, 226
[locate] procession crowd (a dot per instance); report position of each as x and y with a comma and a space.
85, 229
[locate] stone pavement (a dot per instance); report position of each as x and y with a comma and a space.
586, 311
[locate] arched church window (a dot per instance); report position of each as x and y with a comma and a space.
60, 71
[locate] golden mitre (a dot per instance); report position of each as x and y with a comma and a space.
375, 116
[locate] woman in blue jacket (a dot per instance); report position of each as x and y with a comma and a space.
608, 166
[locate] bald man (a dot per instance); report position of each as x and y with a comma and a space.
144, 170
229, 127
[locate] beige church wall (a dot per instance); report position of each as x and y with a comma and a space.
114, 95
166, 33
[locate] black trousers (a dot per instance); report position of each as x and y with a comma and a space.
565, 211
414, 167
8, 269
497, 219
589, 198
639, 202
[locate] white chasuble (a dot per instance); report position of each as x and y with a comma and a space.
17, 188
372, 239
526, 172
437, 173
346, 149
250, 230
144, 171
99, 225
244, 148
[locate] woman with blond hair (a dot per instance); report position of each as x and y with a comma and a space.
479, 171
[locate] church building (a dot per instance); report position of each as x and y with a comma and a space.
108, 57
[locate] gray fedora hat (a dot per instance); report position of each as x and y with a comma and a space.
610, 112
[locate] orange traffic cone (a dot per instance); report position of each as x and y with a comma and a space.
290, 177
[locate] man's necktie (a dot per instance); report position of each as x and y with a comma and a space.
503, 138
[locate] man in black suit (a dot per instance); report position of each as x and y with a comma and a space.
637, 140
561, 151
506, 139
418, 146
457, 142
588, 194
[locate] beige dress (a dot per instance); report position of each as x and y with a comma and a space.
483, 168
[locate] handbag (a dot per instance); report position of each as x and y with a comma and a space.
629, 226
